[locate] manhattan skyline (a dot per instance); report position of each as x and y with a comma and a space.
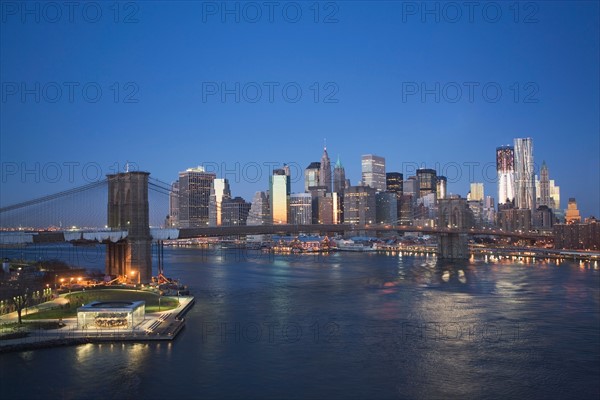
386, 84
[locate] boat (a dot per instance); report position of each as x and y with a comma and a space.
350, 245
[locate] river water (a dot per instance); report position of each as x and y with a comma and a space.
345, 325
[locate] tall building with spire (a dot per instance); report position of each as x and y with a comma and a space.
325, 171
339, 177
544, 199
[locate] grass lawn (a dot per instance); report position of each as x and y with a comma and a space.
12, 330
76, 299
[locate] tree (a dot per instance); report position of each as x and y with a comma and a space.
19, 292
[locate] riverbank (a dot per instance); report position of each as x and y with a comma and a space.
160, 326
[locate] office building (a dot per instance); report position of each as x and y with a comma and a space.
442, 187
312, 176
373, 171
427, 181
301, 209
387, 207
394, 182
279, 195
234, 211
476, 193
360, 205
260, 211
194, 197
219, 191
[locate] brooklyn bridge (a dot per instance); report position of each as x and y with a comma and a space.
135, 207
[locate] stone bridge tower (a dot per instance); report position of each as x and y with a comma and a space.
454, 213
128, 210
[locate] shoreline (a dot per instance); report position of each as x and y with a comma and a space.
156, 327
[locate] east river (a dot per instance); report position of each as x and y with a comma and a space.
345, 325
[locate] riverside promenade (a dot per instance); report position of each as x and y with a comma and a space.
155, 327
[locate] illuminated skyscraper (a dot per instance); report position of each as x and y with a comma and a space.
312, 176
476, 191
505, 166
393, 182
279, 195
373, 171
555, 196
524, 174
220, 191
325, 171
442, 187
427, 181
360, 205
301, 209
572, 213
194, 197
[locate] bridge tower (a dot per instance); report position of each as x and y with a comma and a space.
128, 211
454, 213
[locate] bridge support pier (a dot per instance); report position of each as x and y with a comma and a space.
128, 210
453, 246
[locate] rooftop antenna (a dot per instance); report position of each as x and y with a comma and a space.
325, 143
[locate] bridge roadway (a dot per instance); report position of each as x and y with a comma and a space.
21, 237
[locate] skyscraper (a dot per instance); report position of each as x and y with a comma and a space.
174, 205
393, 182
312, 175
325, 171
545, 187
194, 197
555, 195
524, 174
505, 167
260, 211
360, 205
442, 187
219, 191
300, 209
476, 191
234, 211
373, 171
339, 177
279, 195
427, 181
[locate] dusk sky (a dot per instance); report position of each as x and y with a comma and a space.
361, 69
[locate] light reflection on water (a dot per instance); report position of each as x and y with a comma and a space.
346, 326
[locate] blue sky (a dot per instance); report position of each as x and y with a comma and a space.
161, 68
